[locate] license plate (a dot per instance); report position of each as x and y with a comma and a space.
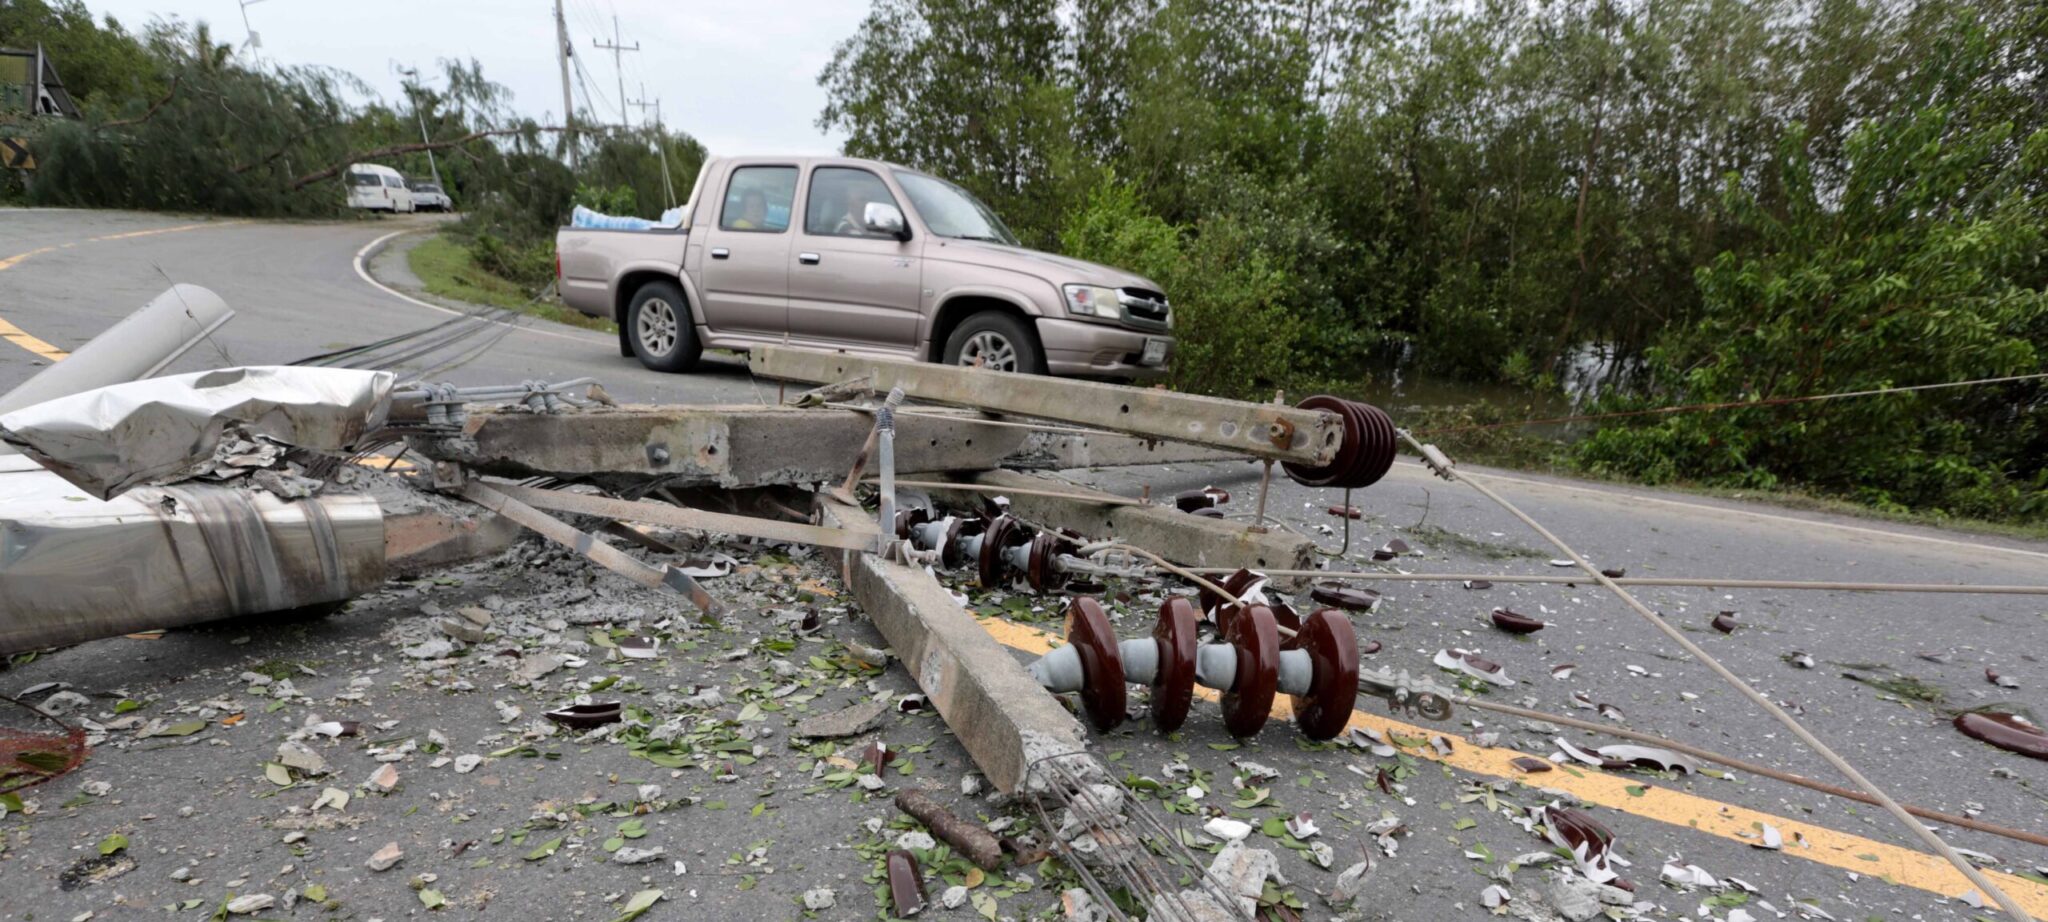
1155, 351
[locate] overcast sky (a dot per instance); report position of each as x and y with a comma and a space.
740, 75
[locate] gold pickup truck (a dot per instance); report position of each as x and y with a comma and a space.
863, 257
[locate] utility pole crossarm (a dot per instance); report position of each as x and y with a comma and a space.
618, 47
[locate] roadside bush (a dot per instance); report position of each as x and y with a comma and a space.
1924, 265
1234, 326
532, 265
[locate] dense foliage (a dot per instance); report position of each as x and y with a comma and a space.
175, 120
1681, 201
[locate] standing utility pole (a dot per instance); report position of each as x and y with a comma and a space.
412, 89
562, 52
618, 49
660, 141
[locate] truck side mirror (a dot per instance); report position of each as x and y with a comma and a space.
884, 218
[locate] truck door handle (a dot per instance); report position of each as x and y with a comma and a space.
808, 259
720, 252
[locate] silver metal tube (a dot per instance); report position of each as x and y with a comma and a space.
138, 347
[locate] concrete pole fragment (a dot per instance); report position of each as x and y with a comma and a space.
992, 704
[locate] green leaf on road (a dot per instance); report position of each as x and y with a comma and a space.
432, 899
278, 774
125, 705
49, 763
182, 729
113, 843
547, 848
640, 903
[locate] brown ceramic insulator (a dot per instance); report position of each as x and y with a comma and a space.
1173, 685
1289, 622
1332, 649
906, 519
950, 555
1345, 597
1044, 547
991, 569
906, 883
1366, 453
1103, 689
1249, 702
1236, 584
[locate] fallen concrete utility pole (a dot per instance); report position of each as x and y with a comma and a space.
77, 569
1004, 718
1260, 430
722, 446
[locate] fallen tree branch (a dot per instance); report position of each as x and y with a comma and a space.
394, 150
150, 114
974, 843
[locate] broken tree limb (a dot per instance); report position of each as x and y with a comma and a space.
968, 838
394, 150
1262, 430
586, 544
688, 519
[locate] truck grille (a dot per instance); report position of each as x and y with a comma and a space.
1144, 308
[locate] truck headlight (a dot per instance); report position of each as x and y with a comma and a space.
1093, 301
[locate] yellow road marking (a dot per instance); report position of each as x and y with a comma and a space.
9, 262
21, 337
1868, 857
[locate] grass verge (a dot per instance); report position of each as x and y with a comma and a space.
446, 270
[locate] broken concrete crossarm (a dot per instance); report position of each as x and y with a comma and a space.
1261, 430
109, 440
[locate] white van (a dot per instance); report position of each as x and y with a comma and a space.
378, 188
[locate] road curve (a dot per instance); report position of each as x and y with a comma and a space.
66, 275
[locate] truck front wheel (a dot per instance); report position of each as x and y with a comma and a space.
658, 325
993, 339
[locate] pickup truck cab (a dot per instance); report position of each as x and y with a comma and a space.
863, 257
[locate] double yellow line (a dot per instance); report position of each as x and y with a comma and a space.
44, 350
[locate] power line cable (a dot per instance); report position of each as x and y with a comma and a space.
1730, 405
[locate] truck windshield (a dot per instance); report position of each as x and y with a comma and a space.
951, 212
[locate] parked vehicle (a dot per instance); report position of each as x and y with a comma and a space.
428, 196
374, 187
864, 257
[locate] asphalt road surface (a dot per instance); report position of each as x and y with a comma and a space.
202, 822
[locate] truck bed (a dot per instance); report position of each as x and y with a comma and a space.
593, 259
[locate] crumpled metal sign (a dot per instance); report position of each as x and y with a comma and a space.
112, 439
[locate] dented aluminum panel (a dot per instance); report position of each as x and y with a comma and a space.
110, 439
